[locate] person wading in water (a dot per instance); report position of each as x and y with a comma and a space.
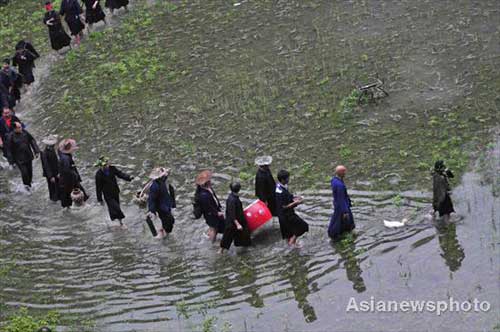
107, 186
69, 178
21, 150
210, 205
236, 225
342, 219
161, 201
441, 200
265, 185
291, 225
50, 166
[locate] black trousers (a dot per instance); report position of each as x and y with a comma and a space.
53, 190
167, 222
241, 238
26, 169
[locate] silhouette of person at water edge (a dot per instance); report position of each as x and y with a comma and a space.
441, 200
346, 248
296, 271
452, 252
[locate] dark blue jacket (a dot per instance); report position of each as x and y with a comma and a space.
160, 197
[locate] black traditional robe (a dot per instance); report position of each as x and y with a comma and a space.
50, 166
211, 207
441, 200
12, 81
265, 187
234, 211
69, 179
115, 4
58, 37
24, 59
71, 10
93, 15
290, 223
21, 148
107, 186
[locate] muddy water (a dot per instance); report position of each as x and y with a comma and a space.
72, 261
126, 281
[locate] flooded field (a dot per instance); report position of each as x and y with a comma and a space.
200, 84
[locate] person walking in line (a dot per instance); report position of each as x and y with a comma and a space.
7, 126
210, 205
265, 185
93, 12
24, 59
441, 199
236, 227
107, 185
72, 11
291, 225
50, 166
161, 201
58, 37
69, 177
21, 150
342, 220
116, 4
12, 82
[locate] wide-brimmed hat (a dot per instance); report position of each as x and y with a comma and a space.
159, 172
50, 140
68, 145
263, 160
101, 162
203, 177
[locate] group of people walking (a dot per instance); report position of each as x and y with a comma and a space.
76, 20
64, 181
64, 185
12, 80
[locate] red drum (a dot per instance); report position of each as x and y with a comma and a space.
257, 214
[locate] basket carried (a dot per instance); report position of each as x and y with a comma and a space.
141, 197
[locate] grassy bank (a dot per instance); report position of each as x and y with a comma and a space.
23, 19
213, 84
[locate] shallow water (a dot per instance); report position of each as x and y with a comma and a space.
73, 261
127, 281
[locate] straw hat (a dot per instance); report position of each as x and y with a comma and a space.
203, 177
159, 172
101, 162
263, 160
68, 145
50, 140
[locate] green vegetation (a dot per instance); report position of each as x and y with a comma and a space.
24, 322
23, 19
165, 68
